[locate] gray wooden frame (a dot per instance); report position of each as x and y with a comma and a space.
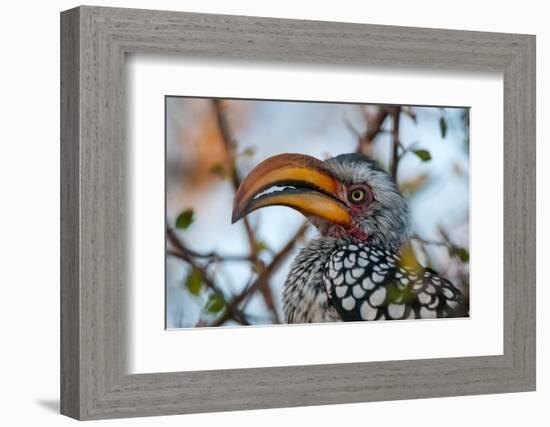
94, 41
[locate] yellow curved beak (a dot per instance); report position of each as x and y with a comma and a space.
295, 180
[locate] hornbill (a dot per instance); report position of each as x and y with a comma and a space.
360, 267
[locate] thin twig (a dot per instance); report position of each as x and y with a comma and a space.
182, 252
353, 129
374, 127
263, 276
405, 150
208, 255
396, 113
428, 242
230, 146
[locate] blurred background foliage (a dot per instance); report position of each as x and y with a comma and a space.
223, 274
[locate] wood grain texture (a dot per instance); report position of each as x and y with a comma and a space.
94, 382
70, 292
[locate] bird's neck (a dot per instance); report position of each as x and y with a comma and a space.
358, 234
304, 296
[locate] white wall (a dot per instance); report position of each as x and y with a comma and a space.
29, 229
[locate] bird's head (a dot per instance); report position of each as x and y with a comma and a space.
347, 195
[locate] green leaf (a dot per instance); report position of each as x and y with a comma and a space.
423, 154
443, 126
193, 281
185, 219
261, 246
215, 303
248, 152
219, 170
461, 253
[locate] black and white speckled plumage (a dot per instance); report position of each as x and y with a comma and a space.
305, 299
344, 279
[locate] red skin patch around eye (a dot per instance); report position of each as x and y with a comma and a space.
327, 228
357, 209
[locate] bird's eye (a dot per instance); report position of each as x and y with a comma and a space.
357, 195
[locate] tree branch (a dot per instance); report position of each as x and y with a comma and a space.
230, 146
263, 276
428, 242
183, 253
396, 113
374, 127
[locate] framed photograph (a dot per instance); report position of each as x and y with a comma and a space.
283, 213
371, 201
